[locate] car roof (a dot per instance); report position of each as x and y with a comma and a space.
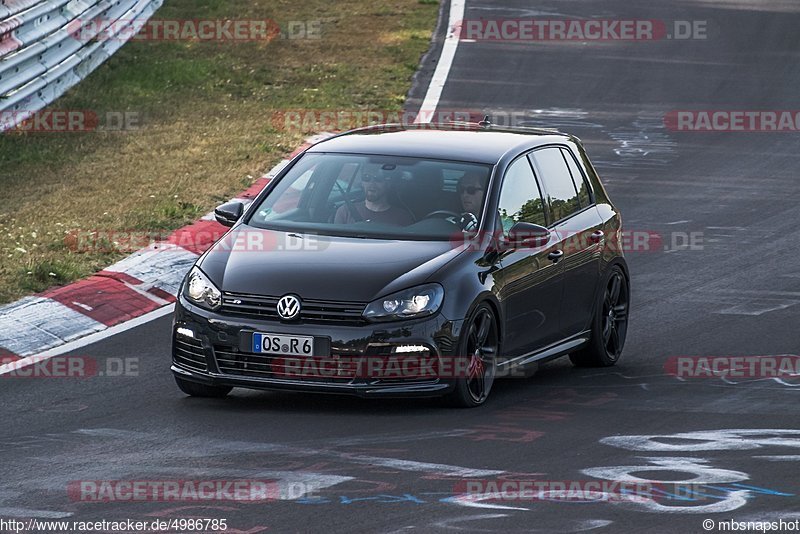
458, 142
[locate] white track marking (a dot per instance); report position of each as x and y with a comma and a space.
290, 485
709, 440
7, 510
701, 472
475, 501
781, 458
87, 340
439, 78
414, 466
28, 513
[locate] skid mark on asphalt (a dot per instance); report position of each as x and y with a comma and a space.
117, 454
211, 446
494, 523
15, 511
98, 454
710, 394
757, 307
397, 438
562, 119
107, 454
708, 440
643, 144
703, 374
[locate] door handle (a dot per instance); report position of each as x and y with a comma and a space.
555, 255
597, 236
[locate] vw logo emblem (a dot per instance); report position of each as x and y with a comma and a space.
288, 307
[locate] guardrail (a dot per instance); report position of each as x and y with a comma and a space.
47, 46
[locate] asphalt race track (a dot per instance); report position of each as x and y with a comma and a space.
391, 466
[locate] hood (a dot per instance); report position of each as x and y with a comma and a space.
269, 262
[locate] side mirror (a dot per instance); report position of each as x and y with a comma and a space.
528, 234
229, 213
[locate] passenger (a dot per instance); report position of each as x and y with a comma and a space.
376, 207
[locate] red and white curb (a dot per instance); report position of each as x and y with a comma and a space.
135, 290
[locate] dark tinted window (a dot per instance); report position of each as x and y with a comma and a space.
557, 180
375, 196
520, 199
578, 179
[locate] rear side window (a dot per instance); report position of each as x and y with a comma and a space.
557, 180
577, 178
520, 199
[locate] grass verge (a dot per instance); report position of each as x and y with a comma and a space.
203, 126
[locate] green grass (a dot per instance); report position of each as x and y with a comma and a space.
205, 131
38, 276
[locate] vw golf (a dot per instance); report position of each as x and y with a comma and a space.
408, 261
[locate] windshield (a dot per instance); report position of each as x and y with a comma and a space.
385, 197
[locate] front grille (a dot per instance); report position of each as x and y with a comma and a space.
231, 361
188, 352
312, 311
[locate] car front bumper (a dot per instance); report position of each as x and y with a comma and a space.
218, 353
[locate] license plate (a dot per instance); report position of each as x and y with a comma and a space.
264, 343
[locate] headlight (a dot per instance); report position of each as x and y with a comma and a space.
415, 302
201, 291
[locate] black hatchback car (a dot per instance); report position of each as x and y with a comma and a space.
409, 261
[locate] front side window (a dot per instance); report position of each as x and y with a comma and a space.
520, 199
557, 180
386, 197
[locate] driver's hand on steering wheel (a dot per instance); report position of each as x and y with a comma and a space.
467, 222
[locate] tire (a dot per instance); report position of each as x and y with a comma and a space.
609, 323
195, 389
479, 344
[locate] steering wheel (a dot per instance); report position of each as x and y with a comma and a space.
439, 213
466, 221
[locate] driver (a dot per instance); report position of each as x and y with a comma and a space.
376, 206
